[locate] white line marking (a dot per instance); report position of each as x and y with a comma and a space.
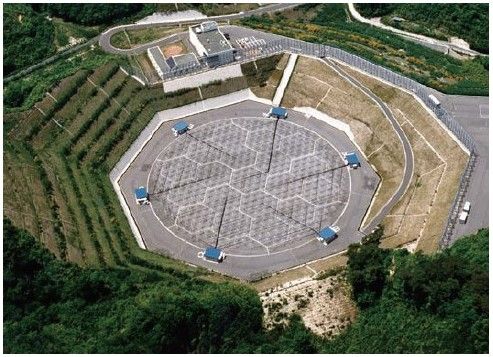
486, 114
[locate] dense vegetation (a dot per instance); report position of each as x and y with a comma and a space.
413, 303
23, 92
55, 307
423, 306
468, 21
27, 37
91, 14
331, 24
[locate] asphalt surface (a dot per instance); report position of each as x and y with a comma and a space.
157, 238
105, 37
473, 114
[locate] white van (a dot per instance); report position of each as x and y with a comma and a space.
467, 207
463, 217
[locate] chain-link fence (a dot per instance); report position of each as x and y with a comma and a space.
458, 201
318, 50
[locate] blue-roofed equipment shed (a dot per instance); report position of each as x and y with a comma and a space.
214, 254
278, 112
328, 234
141, 195
352, 160
180, 128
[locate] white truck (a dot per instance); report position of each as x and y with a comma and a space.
465, 212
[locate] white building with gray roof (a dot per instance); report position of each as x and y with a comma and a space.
210, 42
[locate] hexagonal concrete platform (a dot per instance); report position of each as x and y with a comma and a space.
249, 186
260, 197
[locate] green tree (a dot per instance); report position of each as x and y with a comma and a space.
367, 269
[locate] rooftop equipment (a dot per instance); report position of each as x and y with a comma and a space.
352, 160
278, 112
181, 127
328, 234
213, 254
141, 195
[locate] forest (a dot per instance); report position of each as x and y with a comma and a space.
408, 303
468, 21
29, 29
27, 37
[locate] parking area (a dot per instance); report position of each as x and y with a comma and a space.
219, 185
473, 114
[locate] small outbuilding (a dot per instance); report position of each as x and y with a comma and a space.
328, 234
141, 196
181, 127
352, 160
213, 254
278, 112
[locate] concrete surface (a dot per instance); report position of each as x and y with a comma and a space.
159, 238
473, 114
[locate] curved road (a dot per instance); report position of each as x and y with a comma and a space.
433, 43
408, 152
105, 37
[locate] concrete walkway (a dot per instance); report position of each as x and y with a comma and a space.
288, 71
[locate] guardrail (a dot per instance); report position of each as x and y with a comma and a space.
322, 51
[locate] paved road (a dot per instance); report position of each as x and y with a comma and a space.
105, 43
473, 114
408, 152
363, 185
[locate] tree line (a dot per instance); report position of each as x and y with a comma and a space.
408, 303
465, 20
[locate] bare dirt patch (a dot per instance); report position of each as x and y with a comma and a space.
325, 306
174, 49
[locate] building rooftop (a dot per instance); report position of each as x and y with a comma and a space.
212, 253
327, 233
186, 59
140, 193
158, 57
352, 159
213, 41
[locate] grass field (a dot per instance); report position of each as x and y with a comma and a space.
58, 155
64, 31
131, 38
421, 214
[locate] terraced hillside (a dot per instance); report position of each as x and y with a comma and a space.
57, 157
